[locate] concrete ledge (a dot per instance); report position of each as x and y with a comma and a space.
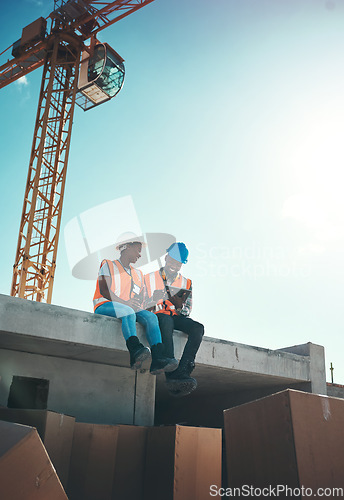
222, 366
50, 330
61, 332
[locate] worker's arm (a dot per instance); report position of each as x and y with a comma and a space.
151, 302
105, 290
177, 301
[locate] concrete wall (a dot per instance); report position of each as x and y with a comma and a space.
335, 390
317, 369
88, 391
83, 356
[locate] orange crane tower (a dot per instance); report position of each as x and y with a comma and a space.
73, 22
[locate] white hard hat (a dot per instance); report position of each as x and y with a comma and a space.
129, 237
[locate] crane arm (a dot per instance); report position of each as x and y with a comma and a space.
99, 14
86, 17
19, 66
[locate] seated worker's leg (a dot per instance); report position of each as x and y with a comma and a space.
179, 382
138, 352
195, 332
160, 362
166, 325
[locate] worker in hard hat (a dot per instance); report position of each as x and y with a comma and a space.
120, 292
170, 297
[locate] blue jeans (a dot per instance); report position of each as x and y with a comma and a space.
129, 317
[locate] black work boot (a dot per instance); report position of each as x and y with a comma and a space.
138, 352
160, 363
179, 383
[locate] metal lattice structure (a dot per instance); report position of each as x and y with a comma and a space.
86, 18
72, 23
35, 263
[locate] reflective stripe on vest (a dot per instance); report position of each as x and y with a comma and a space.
116, 279
99, 302
121, 283
154, 282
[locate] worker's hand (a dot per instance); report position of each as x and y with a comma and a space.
159, 295
178, 301
135, 302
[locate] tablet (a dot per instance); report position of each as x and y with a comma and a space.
178, 291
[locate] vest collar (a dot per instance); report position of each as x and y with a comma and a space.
168, 278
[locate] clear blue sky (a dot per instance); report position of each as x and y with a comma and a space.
228, 134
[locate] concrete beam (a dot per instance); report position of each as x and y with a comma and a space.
317, 369
65, 343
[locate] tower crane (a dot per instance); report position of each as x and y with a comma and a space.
73, 73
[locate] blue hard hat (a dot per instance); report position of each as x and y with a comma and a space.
179, 252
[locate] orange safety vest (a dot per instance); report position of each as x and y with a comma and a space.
154, 281
121, 283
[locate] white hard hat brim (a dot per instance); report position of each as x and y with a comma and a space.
138, 239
